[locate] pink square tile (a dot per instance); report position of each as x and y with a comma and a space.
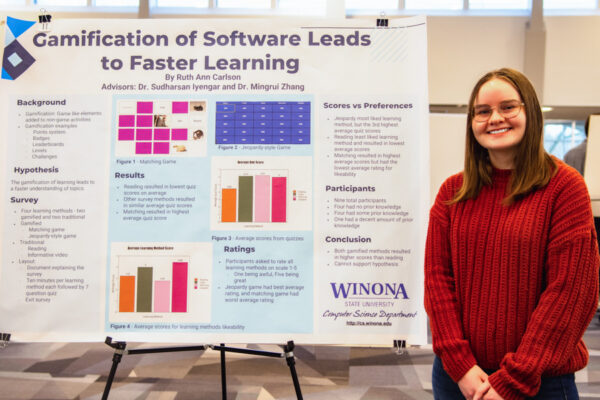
180, 107
143, 148
161, 134
126, 120
144, 107
126, 134
144, 120
143, 134
161, 148
179, 134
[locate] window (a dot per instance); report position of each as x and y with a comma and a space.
562, 136
499, 4
570, 4
371, 5
316, 7
433, 4
312, 7
116, 3
182, 3
254, 4
12, 2
53, 3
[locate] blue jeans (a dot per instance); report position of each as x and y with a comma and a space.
552, 388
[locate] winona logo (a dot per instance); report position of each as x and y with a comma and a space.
368, 289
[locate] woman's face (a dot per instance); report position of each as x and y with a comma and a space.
499, 121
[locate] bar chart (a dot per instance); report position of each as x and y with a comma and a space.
169, 282
152, 291
268, 192
261, 197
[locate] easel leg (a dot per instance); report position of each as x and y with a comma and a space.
291, 362
119, 350
4, 339
223, 374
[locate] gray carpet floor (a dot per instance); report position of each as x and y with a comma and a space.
49, 371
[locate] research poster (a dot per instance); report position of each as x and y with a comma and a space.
214, 180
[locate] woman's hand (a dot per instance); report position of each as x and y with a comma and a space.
471, 381
486, 392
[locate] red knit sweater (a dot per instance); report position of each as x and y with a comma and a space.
512, 288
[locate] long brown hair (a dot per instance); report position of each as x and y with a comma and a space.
533, 166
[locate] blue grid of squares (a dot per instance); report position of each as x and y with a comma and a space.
266, 122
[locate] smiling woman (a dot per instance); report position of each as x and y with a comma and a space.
498, 125
511, 259
522, 152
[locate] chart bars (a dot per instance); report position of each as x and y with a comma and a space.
278, 213
262, 193
245, 185
143, 293
228, 205
144, 289
162, 291
127, 293
257, 198
180, 280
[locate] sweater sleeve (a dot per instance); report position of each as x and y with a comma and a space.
440, 293
567, 304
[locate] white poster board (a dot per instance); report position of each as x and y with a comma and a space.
214, 180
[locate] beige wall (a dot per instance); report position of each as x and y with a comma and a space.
573, 61
462, 49
446, 148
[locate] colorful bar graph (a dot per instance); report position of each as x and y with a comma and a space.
228, 205
162, 296
258, 198
262, 201
161, 288
278, 212
144, 289
126, 293
245, 184
180, 279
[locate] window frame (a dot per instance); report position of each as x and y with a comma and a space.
274, 10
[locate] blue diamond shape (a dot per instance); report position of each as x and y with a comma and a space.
14, 59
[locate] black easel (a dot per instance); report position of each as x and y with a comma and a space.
400, 346
287, 353
4, 339
120, 350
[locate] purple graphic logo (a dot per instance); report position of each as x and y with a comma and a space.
368, 289
16, 59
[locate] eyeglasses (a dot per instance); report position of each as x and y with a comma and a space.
507, 109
